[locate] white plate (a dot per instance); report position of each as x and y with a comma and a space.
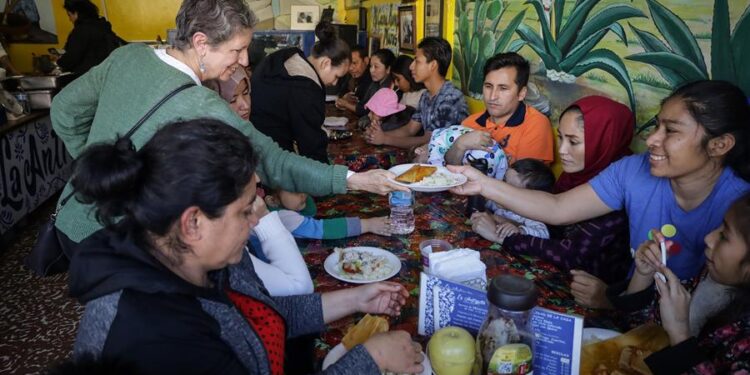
331, 98
331, 264
335, 122
593, 335
397, 170
339, 350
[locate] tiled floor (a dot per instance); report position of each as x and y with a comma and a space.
37, 318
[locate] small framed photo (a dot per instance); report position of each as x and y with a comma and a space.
407, 25
433, 18
304, 17
352, 4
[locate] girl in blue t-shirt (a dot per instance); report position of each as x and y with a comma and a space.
695, 167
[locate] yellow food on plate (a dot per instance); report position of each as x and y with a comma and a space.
624, 354
366, 327
416, 173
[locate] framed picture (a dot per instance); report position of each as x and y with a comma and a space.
407, 25
352, 4
304, 17
373, 44
433, 18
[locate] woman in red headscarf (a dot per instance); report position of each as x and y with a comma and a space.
593, 132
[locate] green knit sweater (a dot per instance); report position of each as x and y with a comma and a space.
113, 96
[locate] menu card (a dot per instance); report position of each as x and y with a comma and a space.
557, 335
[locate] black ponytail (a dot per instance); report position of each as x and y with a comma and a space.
106, 175
330, 45
203, 163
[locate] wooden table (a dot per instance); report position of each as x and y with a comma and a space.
357, 154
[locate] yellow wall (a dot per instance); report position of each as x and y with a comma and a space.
142, 20
20, 54
132, 20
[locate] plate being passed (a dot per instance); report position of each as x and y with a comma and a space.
366, 264
441, 180
331, 98
594, 335
339, 350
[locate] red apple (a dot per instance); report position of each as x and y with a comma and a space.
451, 351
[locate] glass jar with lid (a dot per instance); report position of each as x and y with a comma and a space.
506, 341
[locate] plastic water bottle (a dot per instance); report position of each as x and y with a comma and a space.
402, 212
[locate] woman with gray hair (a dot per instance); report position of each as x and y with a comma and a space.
211, 43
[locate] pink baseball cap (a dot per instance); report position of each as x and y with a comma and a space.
384, 103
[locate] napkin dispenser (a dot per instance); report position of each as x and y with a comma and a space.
459, 265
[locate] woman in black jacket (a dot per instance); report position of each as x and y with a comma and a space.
91, 40
288, 93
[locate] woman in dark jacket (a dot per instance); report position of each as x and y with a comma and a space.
171, 288
91, 40
288, 93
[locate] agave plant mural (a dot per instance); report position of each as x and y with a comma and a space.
567, 50
680, 59
479, 39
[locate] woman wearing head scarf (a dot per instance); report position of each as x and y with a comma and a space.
594, 132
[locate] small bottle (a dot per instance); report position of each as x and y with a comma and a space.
476, 203
402, 212
505, 342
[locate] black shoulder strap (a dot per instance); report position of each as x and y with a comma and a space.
141, 121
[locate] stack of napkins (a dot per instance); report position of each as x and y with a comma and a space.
460, 266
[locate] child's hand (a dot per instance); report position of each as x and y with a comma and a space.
674, 305
375, 134
648, 256
475, 140
505, 230
483, 225
379, 225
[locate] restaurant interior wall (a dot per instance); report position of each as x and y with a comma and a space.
132, 20
711, 39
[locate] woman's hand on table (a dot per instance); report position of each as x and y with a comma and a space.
375, 134
396, 352
674, 305
385, 297
475, 179
378, 181
589, 291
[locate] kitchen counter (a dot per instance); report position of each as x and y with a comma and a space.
34, 165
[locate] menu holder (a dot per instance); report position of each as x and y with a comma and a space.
557, 335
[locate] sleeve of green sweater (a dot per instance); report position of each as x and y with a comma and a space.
73, 109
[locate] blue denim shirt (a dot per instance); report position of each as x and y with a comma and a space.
446, 108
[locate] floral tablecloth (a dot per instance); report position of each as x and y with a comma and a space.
439, 216
357, 154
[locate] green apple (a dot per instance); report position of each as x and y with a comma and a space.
451, 351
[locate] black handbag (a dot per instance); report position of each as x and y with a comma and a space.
52, 250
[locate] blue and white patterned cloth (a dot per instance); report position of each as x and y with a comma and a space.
446, 108
443, 139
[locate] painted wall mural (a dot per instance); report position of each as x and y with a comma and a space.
383, 24
634, 51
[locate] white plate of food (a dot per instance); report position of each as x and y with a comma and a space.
362, 265
331, 98
339, 350
425, 177
594, 335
